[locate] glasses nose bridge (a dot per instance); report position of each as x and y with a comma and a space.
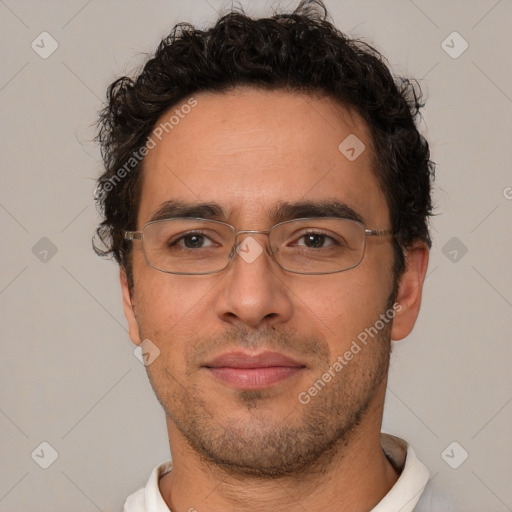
252, 231
249, 232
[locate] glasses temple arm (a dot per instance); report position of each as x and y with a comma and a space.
376, 232
133, 235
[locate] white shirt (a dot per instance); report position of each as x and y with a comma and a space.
404, 496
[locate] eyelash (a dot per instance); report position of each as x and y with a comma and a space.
184, 236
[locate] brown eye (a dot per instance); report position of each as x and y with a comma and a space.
191, 241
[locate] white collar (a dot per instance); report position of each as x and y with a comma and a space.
402, 497
406, 492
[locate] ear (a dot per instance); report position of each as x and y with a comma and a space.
129, 308
410, 290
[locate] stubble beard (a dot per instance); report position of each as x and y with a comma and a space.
262, 446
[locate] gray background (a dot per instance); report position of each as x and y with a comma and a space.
68, 374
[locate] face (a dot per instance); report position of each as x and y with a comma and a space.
242, 349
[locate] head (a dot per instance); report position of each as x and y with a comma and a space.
242, 122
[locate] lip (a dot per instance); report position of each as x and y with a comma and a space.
263, 360
253, 371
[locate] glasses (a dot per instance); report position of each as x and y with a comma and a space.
194, 246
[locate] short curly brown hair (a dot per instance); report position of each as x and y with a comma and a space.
301, 51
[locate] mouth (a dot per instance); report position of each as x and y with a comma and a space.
246, 371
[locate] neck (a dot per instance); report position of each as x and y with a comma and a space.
355, 477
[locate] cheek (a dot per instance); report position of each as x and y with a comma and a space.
341, 306
170, 307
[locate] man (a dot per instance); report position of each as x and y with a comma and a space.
266, 193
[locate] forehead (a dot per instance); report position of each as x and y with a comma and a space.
249, 149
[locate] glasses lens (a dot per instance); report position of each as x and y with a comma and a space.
305, 246
187, 246
318, 246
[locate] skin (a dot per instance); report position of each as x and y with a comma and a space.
235, 450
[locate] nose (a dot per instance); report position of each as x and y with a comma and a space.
253, 292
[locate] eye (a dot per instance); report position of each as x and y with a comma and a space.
192, 241
316, 240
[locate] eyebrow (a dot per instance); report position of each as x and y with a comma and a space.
284, 211
212, 211
281, 212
